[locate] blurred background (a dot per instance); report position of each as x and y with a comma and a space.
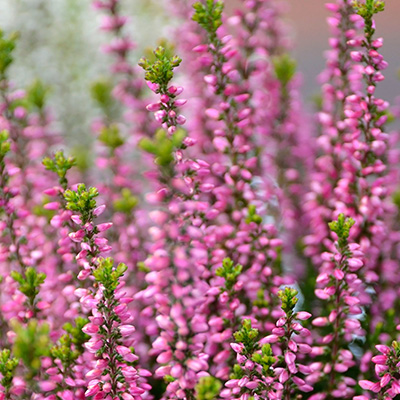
60, 44
308, 18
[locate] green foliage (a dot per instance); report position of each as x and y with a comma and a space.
367, 10
111, 136
208, 388
31, 343
248, 337
78, 337
161, 69
40, 211
82, 201
4, 144
285, 68
101, 92
60, 165
82, 156
64, 352
70, 345
253, 216
396, 348
36, 95
342, 229
7, 46
288, 299
317, 100
107, 275
29, 283
265, 359
168, 47
208, 15
168, 378
163, 146
396, 199
237, 372
229, 272
260, 301
126, 203
141, 266
4, 149
8, 365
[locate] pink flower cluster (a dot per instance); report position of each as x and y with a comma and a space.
386, 367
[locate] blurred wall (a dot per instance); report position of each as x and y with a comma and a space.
311, 35
60, 44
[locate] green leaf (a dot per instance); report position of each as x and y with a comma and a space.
31, 344
288, 299
29, 283
342, 227
208, 388
4, 144
208, 15
160, 69
111, 137
229, 272
36, 95
248, 336
101, 92
7, 46
82, 201
126, 203
107, 275
253, 216
285, 68
8, 366
60, 164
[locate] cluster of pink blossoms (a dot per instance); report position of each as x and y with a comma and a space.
273, 371
386, 368
256, 255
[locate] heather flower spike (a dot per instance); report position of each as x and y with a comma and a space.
261, 371
159, 73
292, 336
253, 372
386, 369
339, 286
111, 331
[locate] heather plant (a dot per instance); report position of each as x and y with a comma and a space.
225, 245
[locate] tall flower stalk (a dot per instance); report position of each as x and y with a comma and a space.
111, 331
